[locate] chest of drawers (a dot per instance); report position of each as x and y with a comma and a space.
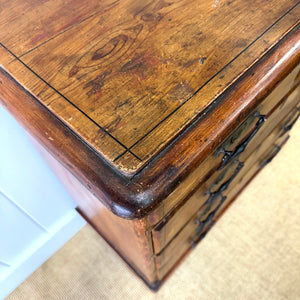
153, 114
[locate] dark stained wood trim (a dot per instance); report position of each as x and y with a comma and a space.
138, 195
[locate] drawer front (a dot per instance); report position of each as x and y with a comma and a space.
201, 173
277, 115
290, 121
264, 124
165, 231
175, 220
204, 219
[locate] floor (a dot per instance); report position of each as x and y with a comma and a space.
253, 252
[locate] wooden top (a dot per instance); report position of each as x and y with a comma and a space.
131, 96
128, 76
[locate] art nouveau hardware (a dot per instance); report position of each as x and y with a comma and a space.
230, 155
213, 196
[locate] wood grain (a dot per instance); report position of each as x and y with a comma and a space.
208, 132
135, 103
279, 96
185, 238
137, 196
138, 73
37, 86
174, 220
128, 238
29, 23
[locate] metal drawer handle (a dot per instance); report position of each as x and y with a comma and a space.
287, 128
209, 202
225, 185
230, 155
209, 220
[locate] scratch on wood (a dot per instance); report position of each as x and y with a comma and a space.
216, 3
202, 59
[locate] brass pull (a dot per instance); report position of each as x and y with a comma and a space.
230, 155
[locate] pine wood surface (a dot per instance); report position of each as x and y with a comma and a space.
136, 104
139, 194
281, 96
129, 76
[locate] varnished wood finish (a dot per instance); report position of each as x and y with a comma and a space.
186, 238
141, 193
90, 166
26, 25
129, 76
175, 220
129, 238
133, 104
281, 94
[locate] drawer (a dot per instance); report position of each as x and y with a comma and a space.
290, 121
206, 220
276, 116
203, 220
245, 177
172, 223
207, 167
257, 135
282, 99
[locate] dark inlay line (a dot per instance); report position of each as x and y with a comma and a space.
201, 87
119, 156
94, 122
216, 74
67, 29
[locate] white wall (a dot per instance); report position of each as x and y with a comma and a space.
37, 216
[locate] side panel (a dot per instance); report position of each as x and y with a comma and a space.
37, 216
130, 238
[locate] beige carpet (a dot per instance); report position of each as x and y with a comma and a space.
253, 252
